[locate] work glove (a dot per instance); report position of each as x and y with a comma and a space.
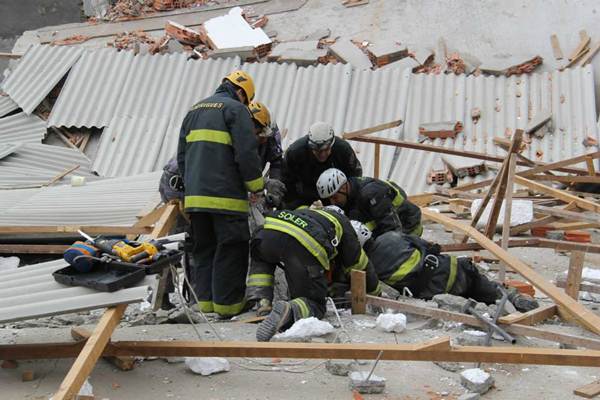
256, 198
433, 248
275, 191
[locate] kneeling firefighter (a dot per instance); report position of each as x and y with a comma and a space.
312, 247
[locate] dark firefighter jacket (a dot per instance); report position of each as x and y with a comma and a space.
382, 206
271, 152
301, 169
217, 155
329, 237
399, 261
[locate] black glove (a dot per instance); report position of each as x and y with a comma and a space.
275, 191
433, 248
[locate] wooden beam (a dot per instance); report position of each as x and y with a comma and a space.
587, 287
565, 178
584, 316
559, 194
376, 161
368, 351
123, 363
10, 55
515, 329
583, 43
92, 350
512, 163
558, 55
569, 246
532, 317
151, 217
453, 247
166, 221
95, 230
565, 214
558, 165
421, 200
367, 131
590, 54
62, 175
33, 248
574, 274
359, 291
588, 391
589, 163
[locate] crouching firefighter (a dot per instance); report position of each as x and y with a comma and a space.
310, 246
407, 261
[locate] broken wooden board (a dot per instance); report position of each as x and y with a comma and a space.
584, 316
559, 194
558, 55
532, 317
588, 391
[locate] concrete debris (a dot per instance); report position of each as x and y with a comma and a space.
476, 380
590, 141
422, 56
455, 64
318, 34
244, 53
206, 366
454, 303
521, 212
233, 31
537, 122
375, 384
526, 67
183, 34
469, 396
471, 338
440, 130
86, 389
302, 52
475, 114
463, 167
341, 368
8, 263
140, 41
383, 54
306, 328
347, 52
391, 322
75, 39
124, 10
450, 366
96, 8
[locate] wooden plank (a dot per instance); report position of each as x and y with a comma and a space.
565, 214
460, 153
442, 343
558, 55
532, 317
566, 178
453, 247
367, 131
507, 211
84, 142
574, 274
421, 200
63, 138
590, 54
10, 55
589, 162
587, 287
583, 43
588, 391
361, 351
358, 288
584, 316
62, 175
151, 217
376, 161
33, 248
569, 246
123, 363
515, 329
96, 230
559, 194
166, 221
559, 165
92, 350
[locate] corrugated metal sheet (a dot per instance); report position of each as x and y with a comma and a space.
107, 202
22, 128
130, 146
8, 148
319, 94
201, 78
377, 97
40, 69
32, 164
31, 292
506, 104
92, 89
11, 198
7, 105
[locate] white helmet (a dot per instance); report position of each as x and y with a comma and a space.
320, 135
334, 209
329, 182
362, 231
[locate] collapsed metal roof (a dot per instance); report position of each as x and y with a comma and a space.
31, 292
22, 128
7, 105
40, 69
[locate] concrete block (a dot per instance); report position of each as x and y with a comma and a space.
341, 368
476, 380
450, 302
348, 53
471, 338
358, 382
318, 34
301, 52
385, 53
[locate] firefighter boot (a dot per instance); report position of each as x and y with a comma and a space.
280, 318
522, 302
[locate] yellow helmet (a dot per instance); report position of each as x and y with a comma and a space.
260, 113
243, 81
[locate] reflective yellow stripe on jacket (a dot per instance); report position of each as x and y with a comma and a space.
405, 268
301, 236
255, 185
217, 203
336, 224
209, 135
361, 264
399, 199
452, 276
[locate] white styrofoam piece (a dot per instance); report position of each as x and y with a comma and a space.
521, 212
232, 30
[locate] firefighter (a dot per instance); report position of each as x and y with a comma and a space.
269, 151
308, 157
313, 247
381, 205
218, 159
407, 261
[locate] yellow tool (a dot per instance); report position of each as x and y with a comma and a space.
127, 251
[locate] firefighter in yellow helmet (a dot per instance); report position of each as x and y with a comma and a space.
218, 160
269, 151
